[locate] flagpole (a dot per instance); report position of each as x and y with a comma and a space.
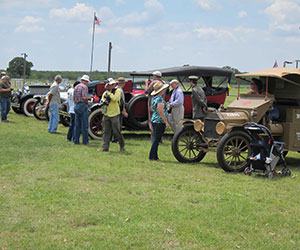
93, 39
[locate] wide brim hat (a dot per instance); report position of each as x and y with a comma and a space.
174, 81
121, 79
157, 73
193, 78
158, 87
85, 78
111, 82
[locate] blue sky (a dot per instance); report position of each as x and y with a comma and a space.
147, 34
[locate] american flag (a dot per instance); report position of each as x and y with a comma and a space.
97, 20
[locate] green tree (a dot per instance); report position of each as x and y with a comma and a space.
16, 67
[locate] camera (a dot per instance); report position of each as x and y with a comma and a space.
106, 101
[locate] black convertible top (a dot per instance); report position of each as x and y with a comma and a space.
187, 71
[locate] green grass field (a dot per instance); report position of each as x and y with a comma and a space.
56, 195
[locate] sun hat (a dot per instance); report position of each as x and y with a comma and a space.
85, 78
5, 77
157, 73
3, 73
158, 87
174, 81
111, 82
121, 79
193, 78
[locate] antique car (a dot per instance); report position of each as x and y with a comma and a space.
22, 101
212, 79
277, 108
40, 111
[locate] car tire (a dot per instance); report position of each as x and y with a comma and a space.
39, 111
28, 106
186, 145
95, 124
233, 151
64, 116
138, 120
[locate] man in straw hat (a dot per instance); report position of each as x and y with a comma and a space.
81, 110
53, 102
159, 119
198, 99
111, 116
175, 106
5, 93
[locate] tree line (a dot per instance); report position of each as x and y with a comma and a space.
16, 69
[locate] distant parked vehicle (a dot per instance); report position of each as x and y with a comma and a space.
22, 100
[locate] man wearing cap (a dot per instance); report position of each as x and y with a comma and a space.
198, 99
53, 102
5, 93
81, 110
176, 107
111, 116
121, 84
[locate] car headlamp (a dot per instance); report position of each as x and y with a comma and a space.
198, 125
220, 128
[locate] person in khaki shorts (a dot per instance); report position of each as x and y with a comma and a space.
111, 115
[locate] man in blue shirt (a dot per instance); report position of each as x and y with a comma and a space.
176, 107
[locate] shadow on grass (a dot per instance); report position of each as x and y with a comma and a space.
293, 163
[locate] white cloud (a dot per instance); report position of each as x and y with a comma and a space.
210, 33
234, 34
29, 24
79, 11
8, 4
284, 17
206, 4
242, 14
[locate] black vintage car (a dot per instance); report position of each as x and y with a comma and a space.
22, 101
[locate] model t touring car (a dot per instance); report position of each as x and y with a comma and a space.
277, 107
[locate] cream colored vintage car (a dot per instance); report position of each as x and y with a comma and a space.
277, 107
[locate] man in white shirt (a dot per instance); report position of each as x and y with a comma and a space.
70, 103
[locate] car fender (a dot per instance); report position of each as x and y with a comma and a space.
94, 107
25, 97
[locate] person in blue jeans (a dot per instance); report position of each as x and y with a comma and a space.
53, 103
71, 105
81, 110
5, 93
159, 119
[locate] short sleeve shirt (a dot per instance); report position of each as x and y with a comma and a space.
70, 101
5, 86
54, 91
80, 91
155, 118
